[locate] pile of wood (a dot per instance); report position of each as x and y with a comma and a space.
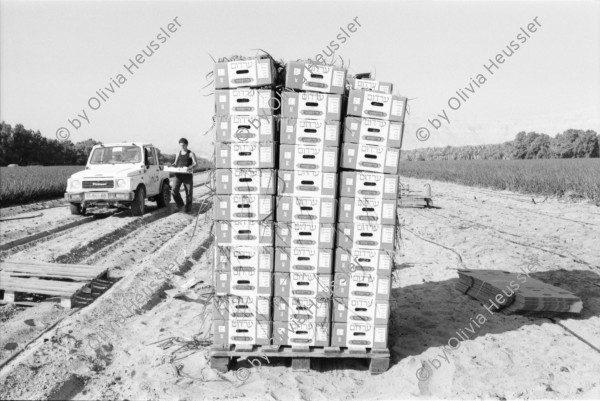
64, 281
516, 292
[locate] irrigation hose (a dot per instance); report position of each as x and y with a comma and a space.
435, 243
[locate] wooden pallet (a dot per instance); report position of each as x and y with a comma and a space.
53, 279
220, 355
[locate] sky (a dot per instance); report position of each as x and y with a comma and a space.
54, 56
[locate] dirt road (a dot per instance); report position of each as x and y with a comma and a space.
137, 342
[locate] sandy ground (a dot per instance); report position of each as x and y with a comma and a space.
136, 341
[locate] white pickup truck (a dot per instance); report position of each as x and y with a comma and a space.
119, 174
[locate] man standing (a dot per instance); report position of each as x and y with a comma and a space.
184, 158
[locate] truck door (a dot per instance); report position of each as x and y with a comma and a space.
152, 171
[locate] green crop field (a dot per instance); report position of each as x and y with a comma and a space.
575, 178
19, 185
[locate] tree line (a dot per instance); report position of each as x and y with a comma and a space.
28, 148
570, 144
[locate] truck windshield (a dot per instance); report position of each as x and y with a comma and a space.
116, 155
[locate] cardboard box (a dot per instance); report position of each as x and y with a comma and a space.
244, 207
381, 106
292, 209
245, 129
242, 331
312, 106
304, 260
244, 233
244, 258
177, 170
296, 334
366, 236
312, 235
235, 307
307, 76
365, 210
359, 335
245, 102
245, 181
243, 283
307, 183
377, 159
358, 309
246, 155
370, 131
249, 73
302, 157
373, 261
363, 285
301, 310
371, 85
371, 185
300, 131
302, 285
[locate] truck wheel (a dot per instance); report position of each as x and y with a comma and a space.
164, 197
139, 202
77, 209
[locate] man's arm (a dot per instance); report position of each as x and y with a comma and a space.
176, 157
194, 162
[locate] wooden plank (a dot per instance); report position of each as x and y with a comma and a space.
46, 277
300, 364
220, 364
314, 352
58, 275
40, 283
378, 366
99, 286
16, 287
32, 287
36, 291
270, 348
380, 351
336, 350
48, 264
66, 302
54, 269
50, 275
28, 291
91, 271
9, 296
357, 351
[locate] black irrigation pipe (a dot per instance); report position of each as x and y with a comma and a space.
460, 259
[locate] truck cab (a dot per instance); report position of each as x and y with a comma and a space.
119, 175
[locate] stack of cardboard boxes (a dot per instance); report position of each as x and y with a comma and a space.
244, 204
311, 110
366, 234
304, 254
